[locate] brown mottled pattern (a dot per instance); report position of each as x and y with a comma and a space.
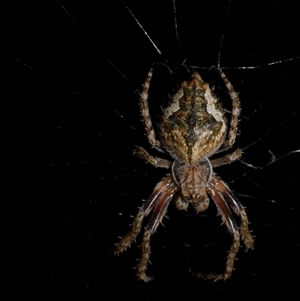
188, 131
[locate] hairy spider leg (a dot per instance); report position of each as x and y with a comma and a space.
159, 200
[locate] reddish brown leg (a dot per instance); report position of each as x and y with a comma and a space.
159, 200
128, 239
238, 209
156, 218
233, 229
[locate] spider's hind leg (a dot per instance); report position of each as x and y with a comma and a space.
236, 110
146, 114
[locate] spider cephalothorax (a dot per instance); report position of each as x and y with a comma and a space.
193, 128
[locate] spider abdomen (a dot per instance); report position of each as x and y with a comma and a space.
193, 125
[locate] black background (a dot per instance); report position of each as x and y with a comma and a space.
72, 71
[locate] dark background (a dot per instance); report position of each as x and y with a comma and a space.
71, 76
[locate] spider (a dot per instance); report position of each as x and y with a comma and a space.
192, 129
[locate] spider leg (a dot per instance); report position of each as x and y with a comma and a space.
155, 161
238, 209
229, 221
156, 218
236, 110
227, 159
146, 115
154, 198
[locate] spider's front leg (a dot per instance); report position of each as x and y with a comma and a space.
238, 208
156, 218
229, 221
128, 239
158, 202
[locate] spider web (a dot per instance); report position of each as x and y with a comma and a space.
73, 122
